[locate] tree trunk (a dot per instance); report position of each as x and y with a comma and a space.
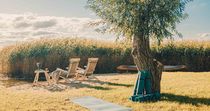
144, 60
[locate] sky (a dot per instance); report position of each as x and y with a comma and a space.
31, 19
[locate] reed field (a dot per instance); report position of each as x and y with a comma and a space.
194, 54
20, 60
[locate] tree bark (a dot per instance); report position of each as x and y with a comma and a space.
144, 60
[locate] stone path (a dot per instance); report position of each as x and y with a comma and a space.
95, 104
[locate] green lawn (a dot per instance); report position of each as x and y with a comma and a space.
187, 91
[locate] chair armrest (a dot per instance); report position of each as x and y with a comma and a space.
79, 68
59, 69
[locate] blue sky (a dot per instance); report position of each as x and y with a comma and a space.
196, 26
66, 8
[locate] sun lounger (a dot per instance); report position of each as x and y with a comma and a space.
64, 74
88, 71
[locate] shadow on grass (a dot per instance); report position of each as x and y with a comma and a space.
85, 85
110, 83
76, 85
91, 84
98, 87
185, 99
118, 84
62, 86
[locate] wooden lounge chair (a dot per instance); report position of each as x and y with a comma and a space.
88, 71
72, 70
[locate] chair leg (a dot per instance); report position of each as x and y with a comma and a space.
47, 76
36, 79
55, 77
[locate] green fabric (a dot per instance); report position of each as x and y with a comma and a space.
148, 85
140, 84
143, 88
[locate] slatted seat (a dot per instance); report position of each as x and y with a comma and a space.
65, 74
85, 73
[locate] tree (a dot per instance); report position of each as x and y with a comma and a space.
141, 20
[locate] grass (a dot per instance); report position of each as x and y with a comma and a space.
186, 91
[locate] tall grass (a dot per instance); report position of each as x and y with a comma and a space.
194, 54
20, 60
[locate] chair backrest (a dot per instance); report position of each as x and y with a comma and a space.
91, 66
73, 65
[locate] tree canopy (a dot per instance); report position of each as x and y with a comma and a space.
151, 18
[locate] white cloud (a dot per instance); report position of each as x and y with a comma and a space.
204, 35
19, 27
44, 24
21, 24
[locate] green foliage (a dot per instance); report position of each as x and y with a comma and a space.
150, 18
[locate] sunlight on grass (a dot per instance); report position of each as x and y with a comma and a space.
186, 91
